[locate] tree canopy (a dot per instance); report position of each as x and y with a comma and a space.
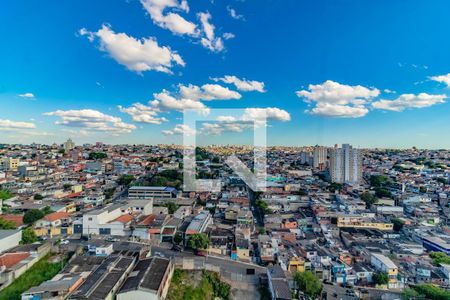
368, 198
198, 241
5, 194
32, 216
4, 224
28, 236
97, 155
429, 291
308, 283
380, 278
125, 179
440, 258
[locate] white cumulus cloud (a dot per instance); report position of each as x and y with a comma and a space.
137, 55
234, 14
208, 92
442, 79
338, 111
333, 99
27, 95
242, 84
174, 22
11, 125
92, 120
405, 101
180, 129
209, 40
166, 14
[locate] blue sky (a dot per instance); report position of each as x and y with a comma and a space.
370, 73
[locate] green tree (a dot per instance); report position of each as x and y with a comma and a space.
442, 180
380, 278
32, 216
379, 180
177, 239
4, 224
125, 179
28, 236
411, 294
432, 292
369, 199
198, 241
47, 210
382, 192
38, 197
172, 207
439, 258
97, 155
5, 194
398, 224
308, 283
334, 186
263, 206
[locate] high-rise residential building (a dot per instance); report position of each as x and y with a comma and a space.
10, 163
346, 165
320, 157
69, 145
305, 158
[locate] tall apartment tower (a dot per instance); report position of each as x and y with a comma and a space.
320, 157
69, 145
346, 165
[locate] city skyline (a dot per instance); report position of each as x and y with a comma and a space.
368, 74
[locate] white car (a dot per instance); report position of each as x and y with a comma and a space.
64, 242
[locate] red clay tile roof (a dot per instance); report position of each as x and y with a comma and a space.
16, 219
124, 218
11, 259
147, 220
56, 216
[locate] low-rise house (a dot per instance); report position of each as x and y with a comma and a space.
54, 224
56, 289
149, 280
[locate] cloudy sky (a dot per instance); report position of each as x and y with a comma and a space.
370, 73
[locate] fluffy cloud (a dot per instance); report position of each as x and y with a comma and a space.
12, 125
234, 14
209, 41
179, 129
242, 84
338, 111
269, 113
208, 92
333, 99
409, 101
27, 95
221, 127
250, 118
92, 120
171, 21
137, 55
335, 93
165, 101
165, 14
228, 35
442, 78
143, 114
162, 102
